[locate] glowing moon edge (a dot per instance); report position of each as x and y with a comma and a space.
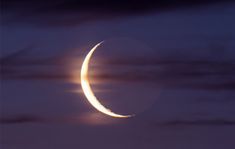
88, 91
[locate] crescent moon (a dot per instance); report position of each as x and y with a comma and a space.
88, 91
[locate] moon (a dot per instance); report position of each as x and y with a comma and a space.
88, 91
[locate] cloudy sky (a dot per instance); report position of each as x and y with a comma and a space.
172, 63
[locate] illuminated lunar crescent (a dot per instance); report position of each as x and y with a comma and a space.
88, 91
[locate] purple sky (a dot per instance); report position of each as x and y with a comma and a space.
173, 68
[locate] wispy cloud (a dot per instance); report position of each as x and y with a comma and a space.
165, 123
21, 119
197, 74
219, 122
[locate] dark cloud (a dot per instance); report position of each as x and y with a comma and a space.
35, 119
18, 119
21, 119
73, 12
119, 6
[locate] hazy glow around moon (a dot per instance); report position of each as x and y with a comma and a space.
88, 91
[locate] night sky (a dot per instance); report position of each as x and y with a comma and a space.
169, 62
